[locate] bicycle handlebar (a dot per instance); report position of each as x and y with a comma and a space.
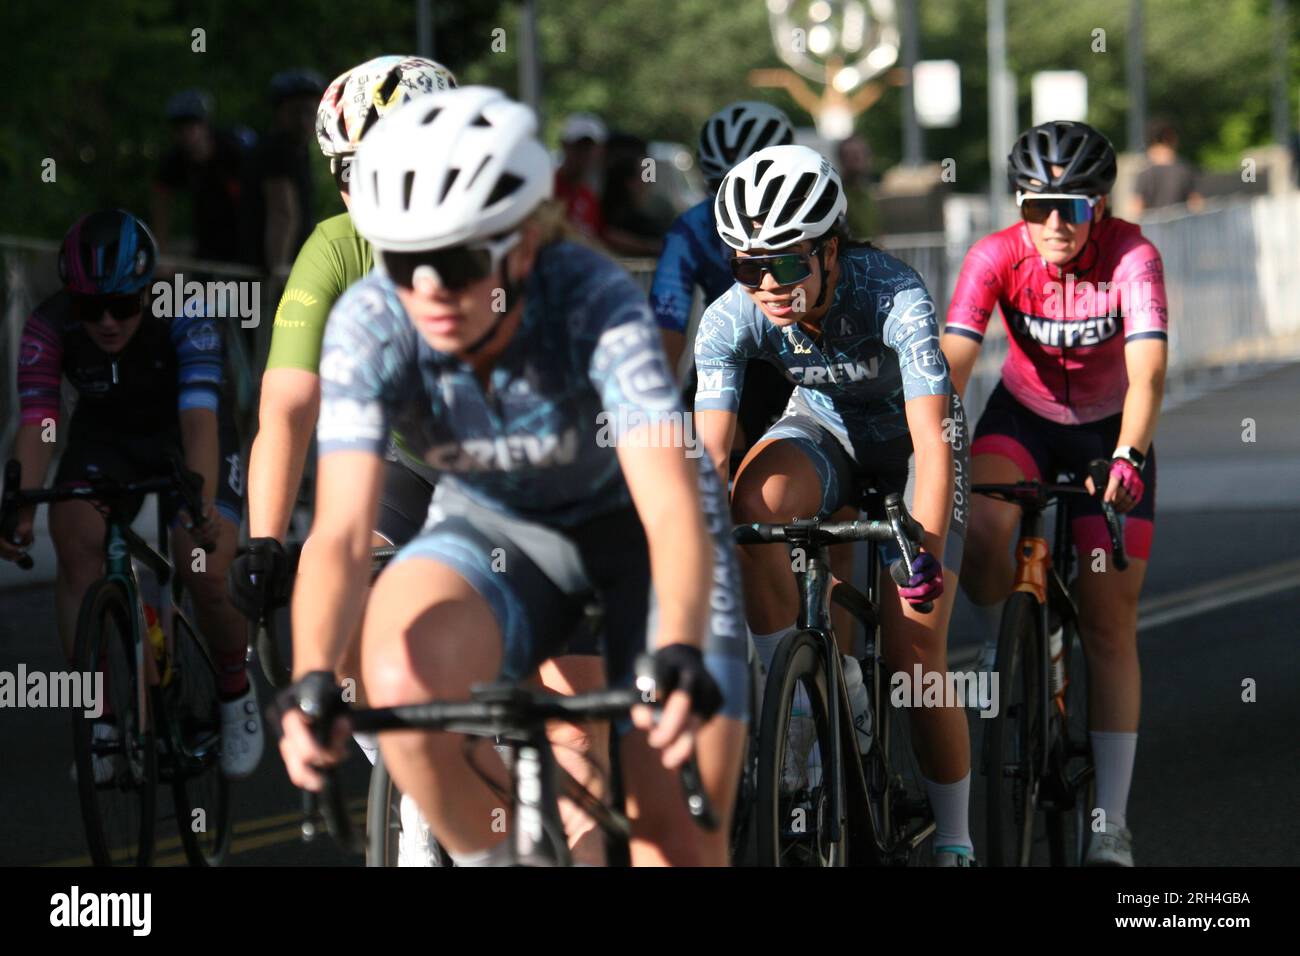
188, 484
492, 710
1037, 494
898, 527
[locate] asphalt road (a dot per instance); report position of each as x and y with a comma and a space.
1216, 778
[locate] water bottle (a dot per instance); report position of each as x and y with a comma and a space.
860, 701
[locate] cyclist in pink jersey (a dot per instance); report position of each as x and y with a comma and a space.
1082, 296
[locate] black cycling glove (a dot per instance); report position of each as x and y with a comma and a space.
259, 579
318, 695
681, 667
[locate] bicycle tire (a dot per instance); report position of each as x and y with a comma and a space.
744, 838
798, 663
118, 815
903, 799
384, 821
1013, 736
198, 785
1069, 827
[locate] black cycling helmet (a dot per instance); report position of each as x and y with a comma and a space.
298, 82
191, 104
1088, 159
109, 252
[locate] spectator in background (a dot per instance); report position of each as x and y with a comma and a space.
855, 162
1167, 181
209, 167
282, 175
576, 180
629, 229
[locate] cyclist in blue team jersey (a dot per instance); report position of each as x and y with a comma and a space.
525, 370
693, 254
855, 330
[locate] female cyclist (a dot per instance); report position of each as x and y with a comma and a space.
1083, 298
519, 369
855, 330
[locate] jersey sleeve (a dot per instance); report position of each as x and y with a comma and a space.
722, 349
40, 370
912, 331
315, 283
620, 348
364, 361
978, 288
197, 341
1140, 280
673, 287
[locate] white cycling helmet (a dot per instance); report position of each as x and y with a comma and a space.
793, 191
452, 167
359, 97
738, 130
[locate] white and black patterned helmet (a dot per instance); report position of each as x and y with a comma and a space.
357, 99
793, 192
737, 131
451, 167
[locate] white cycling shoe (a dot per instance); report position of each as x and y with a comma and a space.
953, 856
241, 735
415, 844
105, 765
1114, 847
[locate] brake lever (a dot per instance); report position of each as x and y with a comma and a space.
1099, 472
904, 527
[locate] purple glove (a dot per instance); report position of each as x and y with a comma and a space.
1130, 478
926, 582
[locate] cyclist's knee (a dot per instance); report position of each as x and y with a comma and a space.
770, 498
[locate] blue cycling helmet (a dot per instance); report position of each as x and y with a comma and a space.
109, 252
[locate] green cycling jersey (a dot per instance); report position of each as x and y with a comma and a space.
333, 258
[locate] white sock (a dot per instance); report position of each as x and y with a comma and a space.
1112, 754
951, 805
369, 744
766, 644
498, 855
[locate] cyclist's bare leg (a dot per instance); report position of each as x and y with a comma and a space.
841, 557
581, 749
349, 666
428, 635
663, 833
215, 616
78, 533
1108, 603
940, 735
989, 568
775, 482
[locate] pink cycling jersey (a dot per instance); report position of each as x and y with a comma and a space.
1066, 357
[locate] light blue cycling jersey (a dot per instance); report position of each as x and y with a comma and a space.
693, 255
879, 347
584, 367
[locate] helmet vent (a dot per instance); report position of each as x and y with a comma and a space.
408, 183
448, 182
481, 120
827, 200
430, 116
477, 171
797, 197
507, 184
761, 170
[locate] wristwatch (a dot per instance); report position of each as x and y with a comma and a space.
1130, 455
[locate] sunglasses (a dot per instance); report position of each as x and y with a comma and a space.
93, 308
787, 268
454, 268
1038, 207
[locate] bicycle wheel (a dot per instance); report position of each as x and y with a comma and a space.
384, 822
794, 762
1014, 736
118, 807
895, 774
744, 847
1069, 825
200, 791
